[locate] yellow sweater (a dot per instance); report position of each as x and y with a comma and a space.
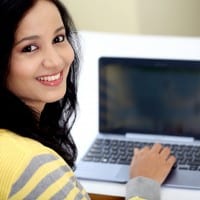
30, 171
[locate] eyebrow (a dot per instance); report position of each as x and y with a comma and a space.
33, 37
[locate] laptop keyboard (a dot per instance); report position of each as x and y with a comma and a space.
121, 152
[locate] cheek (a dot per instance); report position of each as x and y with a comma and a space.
13, 81
68, 58
19, 74
72, 55
68, 54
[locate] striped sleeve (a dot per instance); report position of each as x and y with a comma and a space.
141, 188
137, 198
47, 176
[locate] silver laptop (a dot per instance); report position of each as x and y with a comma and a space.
143, 101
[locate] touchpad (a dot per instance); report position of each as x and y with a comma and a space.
123, 173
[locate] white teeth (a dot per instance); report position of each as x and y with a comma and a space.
49, 78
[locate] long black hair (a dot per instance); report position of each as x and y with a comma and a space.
56, 120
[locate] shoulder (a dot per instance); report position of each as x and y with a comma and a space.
23, 160
29, 170
17, 151
14, 144
21, 150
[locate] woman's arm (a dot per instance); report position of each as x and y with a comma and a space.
149, 168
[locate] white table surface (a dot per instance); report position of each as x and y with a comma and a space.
119, 190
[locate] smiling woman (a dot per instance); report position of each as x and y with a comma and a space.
38, 90
41, 57
38, 82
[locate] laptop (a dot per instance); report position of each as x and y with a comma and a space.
143, 101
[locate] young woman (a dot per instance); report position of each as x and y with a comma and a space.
39, 65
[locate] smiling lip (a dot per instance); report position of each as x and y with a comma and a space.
51, 80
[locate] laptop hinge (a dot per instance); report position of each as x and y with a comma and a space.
154, 138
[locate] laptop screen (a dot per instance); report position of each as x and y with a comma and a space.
155, 96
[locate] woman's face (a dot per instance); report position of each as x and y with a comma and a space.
41, 57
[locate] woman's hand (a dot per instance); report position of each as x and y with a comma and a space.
154, 163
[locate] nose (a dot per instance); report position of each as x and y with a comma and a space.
51, 58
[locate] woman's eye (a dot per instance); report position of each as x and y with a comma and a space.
59, 38
29, 48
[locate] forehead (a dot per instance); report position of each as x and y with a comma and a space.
42, 17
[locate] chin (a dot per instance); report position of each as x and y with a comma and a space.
55, 98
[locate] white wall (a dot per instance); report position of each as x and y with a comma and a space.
150, 17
